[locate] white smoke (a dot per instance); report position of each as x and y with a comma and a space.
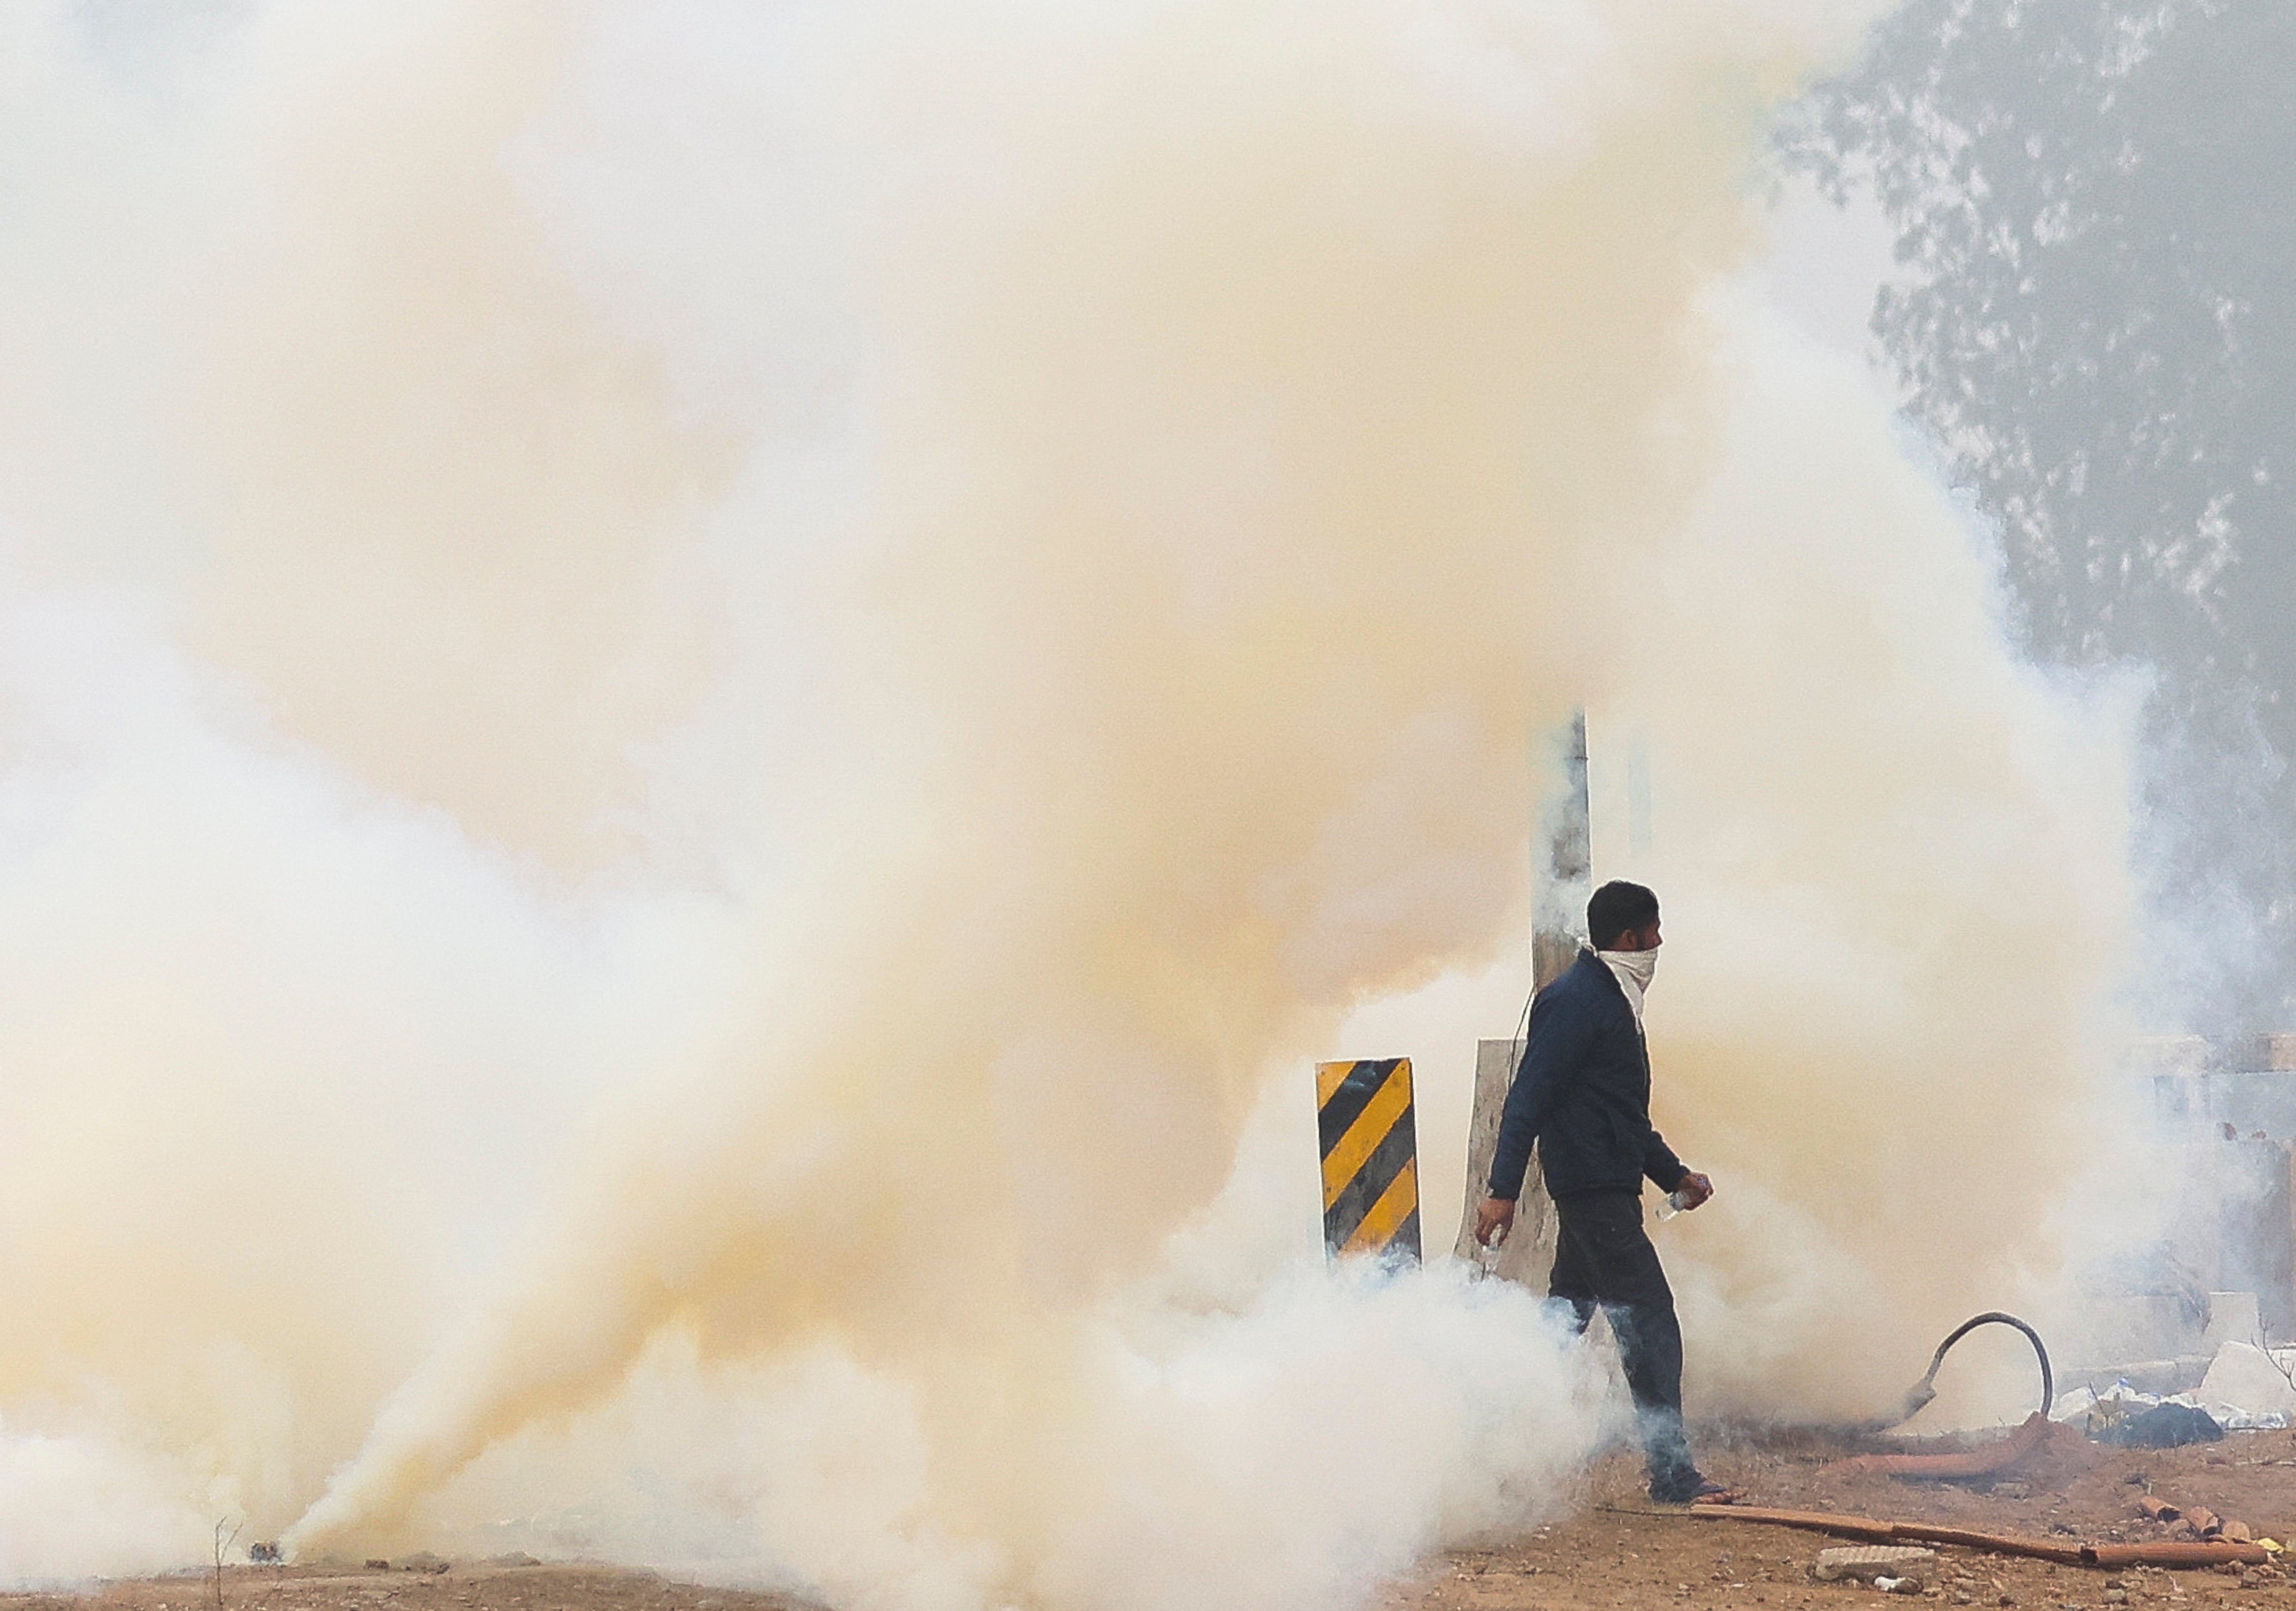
706, 706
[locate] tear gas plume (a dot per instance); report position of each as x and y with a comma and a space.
704, 707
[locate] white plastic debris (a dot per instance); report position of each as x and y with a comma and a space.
2234, 1392
2073, 1405
2251, 1385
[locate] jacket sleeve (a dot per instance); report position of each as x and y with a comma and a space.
1553, 1055
1666, 1172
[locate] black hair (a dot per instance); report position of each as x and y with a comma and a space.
1615, 908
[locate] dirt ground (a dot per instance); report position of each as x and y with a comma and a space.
1612, 1550
463, 1586
1617, 1550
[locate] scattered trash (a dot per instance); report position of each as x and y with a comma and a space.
2199, 1552
2200, 1522
2245, 1389
1898, 1585
2254, 1379
2163, 1426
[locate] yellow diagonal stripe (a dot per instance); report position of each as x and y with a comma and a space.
1329, 1077
1369, 1129
1388, 1214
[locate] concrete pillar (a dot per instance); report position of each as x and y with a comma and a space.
1559, 910
1563, 880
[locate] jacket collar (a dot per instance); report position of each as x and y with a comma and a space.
1601, 969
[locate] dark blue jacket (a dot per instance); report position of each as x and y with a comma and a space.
1583, 1094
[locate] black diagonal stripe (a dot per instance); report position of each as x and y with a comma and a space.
1405, 1239
1397, 1148
1355, 1094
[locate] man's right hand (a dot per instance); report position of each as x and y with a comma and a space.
1493, 1220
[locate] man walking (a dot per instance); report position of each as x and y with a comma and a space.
1582, 1093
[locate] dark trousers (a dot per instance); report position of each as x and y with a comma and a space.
1604, 1259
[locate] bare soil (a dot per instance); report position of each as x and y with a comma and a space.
1615, 1550
462, 1586
1618, 1550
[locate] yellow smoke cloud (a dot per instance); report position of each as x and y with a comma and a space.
790, 654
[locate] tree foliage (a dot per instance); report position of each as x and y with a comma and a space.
2098, 321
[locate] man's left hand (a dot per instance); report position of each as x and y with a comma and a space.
1695, 1188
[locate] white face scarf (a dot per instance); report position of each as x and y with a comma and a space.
1632, 971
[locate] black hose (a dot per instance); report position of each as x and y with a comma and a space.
1925, 1390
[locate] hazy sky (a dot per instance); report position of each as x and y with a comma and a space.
1825, 262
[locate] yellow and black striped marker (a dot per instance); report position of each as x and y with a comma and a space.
1370, 1157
